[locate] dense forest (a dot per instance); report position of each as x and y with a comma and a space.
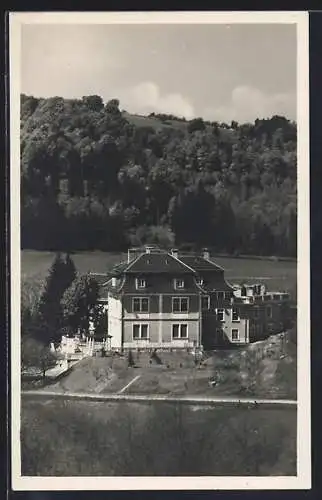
96, 177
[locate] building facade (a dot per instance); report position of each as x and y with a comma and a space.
166, 300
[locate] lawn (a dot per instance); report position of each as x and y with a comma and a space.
264, 369
82, 438
277, 275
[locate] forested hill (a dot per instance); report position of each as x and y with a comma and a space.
94, 177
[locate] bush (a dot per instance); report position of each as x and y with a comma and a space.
196, 124
156, 235
35, 354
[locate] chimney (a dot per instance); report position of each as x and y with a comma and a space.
206, 253
132, 253
174, 252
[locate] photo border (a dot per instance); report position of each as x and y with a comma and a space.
303, 479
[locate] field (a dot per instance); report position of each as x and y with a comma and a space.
157, 124
277, 275
74, 438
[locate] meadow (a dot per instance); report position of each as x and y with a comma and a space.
75, 438
275, 274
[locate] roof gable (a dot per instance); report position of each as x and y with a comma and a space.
158, 263
200, 263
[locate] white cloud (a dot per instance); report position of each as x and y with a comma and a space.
146, 97
248, 103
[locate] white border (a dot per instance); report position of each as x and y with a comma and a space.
303, 479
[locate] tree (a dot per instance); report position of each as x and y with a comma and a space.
130, 359
36, 354
50, 314
195, 125
113, 106
94, 102
78, 304
70, 271
91, 177
100, 321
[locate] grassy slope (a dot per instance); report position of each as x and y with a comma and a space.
266, 369
84, 438
154, 122
150, 121
277, 275
227, 135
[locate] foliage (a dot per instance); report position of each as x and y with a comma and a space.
50, 316
35, 354
130, 359
91, 179
78, 304
157, 235
174, 440
41, 312
196, 124
31, 292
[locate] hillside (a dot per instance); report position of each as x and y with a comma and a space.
159, 122
265, 369
96, 178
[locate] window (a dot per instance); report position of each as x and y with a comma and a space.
140, 283
220, 315
180, 331
220, 295
140, 304
179, 304
199, 281
219, 334
235, 334
178, 283
205, 302
140, 332
235, 315
269, 312
227, 295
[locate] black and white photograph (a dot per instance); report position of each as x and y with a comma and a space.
159, 250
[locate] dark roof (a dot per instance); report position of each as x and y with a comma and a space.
199, 263
164, 262
156, 263
100, 278
119, 268
219, 285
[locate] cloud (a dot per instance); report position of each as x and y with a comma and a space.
248, 103
146, 97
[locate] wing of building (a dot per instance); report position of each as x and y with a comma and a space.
169, 300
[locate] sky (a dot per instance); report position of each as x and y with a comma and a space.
219, 72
